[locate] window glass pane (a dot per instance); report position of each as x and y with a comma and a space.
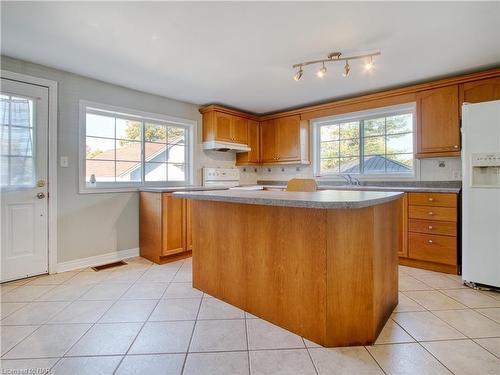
103, 171
21, 112
156, 172
21, 141
374, 126
4, 140
402, 163
329, 166
176, 154
349, 147
155, 133
176, 172
21, 171
128, 150
127, 129
374, 164
128, 171
100, 148
329, 132
329, 149
374, 145
155, 152
397, 144
100, 126
349, 130
4, 171
4, 109
349, 165
176, 135
400, 123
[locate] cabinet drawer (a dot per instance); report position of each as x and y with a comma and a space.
433, 199
432, 248
446, 228
432, 213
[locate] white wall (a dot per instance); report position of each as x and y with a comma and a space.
94, 224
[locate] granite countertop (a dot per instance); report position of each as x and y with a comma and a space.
171, 189
405, 186
319, 199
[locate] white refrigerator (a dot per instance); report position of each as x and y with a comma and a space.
481, 193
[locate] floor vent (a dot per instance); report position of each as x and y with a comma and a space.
109, 265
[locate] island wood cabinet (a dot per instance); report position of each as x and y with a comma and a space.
225, 127
253, 156
432, 232
438, 122
165, 227
285, 140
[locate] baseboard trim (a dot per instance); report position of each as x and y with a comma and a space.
97, 260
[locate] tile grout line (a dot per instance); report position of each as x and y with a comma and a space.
489, 351
192, 332
248, 344
97, 320
147, 319
310, 356
371, 355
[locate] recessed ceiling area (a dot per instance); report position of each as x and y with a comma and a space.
240, 54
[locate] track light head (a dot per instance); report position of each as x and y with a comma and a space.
321, 73
298, 75
369, 64
347, 69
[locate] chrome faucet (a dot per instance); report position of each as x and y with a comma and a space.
350, 180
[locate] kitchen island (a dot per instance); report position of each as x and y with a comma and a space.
322, 265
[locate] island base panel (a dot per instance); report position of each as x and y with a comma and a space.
329, 275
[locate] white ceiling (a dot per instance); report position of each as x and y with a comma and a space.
240, 54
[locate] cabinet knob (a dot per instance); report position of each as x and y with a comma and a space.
431, 213
430, 241
456, 146
430, 227
431, 199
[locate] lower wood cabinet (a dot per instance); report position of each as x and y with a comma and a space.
432, 232
165, 227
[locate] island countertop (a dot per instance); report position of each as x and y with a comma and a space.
326, 199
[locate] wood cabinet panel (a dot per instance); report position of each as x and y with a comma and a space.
438, 123
223, 124
483, 90
403, 234
446, 228
253, 156
268, 136
288, 138
432, 213
428, 247
433, 199
239, 130
173, 225
187, 221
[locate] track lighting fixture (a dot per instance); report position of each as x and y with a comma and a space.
298, 75
332, 57
321, 73
347, 69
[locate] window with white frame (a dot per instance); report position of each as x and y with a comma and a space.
375, 142
124, 148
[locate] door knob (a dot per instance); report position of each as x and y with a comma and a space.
40, 195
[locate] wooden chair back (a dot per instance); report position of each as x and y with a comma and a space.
302, 184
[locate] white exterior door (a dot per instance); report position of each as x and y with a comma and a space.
23, 179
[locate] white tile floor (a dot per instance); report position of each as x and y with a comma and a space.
146, 319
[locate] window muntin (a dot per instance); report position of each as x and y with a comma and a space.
373, 143
129, 150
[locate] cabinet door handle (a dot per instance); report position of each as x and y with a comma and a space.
430, 242
431, 213
430, 227
456, 146
431, 199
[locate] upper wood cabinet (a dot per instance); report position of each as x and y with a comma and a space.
483, 90
226, 127
285, 140
438, 122
253, 156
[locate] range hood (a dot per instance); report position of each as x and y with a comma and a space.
225, 146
